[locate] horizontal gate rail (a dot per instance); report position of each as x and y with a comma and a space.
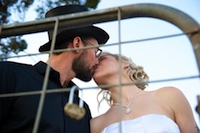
169, 14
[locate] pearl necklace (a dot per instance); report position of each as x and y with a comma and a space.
128, 110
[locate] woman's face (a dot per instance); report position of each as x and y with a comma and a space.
107, 69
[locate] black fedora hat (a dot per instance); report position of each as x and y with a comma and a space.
63, 34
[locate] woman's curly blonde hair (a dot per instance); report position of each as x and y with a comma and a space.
135, 73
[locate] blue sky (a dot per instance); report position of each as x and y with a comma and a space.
162, 59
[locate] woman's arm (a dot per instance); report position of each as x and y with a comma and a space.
182, 111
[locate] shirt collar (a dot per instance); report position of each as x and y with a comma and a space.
54, 75
41, 68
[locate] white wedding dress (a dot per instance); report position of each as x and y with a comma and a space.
151, 123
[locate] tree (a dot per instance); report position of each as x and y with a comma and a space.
18, 8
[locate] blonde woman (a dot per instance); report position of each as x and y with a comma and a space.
165, 110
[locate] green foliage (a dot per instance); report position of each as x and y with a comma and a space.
12, 45
92, 3
7, 7
45, 5
18, 9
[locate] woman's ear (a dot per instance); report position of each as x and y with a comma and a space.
126, 64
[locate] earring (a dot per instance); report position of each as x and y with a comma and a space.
73, 110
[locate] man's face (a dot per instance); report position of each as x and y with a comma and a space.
82, 68
85, 64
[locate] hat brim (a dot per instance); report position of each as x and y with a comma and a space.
90, 31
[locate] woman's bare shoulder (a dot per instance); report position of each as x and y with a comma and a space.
170, 93
169, 90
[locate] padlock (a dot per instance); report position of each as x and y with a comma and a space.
73, 110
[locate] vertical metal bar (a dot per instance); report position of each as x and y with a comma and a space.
0, 29
120, 70
44, 87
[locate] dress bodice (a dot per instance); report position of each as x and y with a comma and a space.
151, 123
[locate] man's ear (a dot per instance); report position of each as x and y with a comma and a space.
76, 44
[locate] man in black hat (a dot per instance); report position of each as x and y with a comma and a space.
18, 113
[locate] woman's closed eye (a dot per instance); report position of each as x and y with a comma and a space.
102, 58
